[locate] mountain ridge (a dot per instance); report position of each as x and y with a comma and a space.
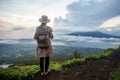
93, 34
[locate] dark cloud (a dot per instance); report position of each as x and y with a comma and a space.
18, 28
90, 12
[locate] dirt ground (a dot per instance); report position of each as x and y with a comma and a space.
90, 70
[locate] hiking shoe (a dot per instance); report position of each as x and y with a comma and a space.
45, 73
42, 73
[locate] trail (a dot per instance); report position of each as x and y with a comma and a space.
90, 70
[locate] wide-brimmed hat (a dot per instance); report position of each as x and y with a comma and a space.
44, 19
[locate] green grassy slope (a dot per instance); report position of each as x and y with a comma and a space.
22, 72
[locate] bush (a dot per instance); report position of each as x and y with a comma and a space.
115, 74
18, 72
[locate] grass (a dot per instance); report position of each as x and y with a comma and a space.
55, 66
104, 54
74, 61
115, 74
18, 72
21, 72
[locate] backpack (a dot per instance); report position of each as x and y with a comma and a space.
43, 37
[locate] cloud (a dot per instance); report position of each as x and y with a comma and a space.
5, 25
18, 33
111, 24
26, 13
18, 28
10, 41
17, 20
85, 41
90, 13
88, 39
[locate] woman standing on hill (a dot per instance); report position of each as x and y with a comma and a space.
44, 49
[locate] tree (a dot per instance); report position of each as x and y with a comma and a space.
76, 54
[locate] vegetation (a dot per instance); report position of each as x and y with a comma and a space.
21, 72
18, 72
76, 54
115, 74
74, 61
104, 54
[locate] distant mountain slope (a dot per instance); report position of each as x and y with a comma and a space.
93, 34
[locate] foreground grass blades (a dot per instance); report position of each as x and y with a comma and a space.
115, 74
18, 72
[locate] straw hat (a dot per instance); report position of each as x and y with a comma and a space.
44, 19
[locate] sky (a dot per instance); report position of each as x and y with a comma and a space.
19, 18
103, 15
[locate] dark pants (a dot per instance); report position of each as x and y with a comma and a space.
44, 64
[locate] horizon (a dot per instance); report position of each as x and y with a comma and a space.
72, 32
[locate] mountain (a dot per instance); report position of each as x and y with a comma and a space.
93, 34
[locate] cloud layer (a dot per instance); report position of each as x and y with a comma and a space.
18, 28
90, 13
111, 24
87, 41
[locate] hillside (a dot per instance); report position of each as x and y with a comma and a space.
93, 34
90, 70
22, 53
103, 66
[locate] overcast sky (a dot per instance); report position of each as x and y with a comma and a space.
94, 14
19, 18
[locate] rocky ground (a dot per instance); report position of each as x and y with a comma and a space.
90, 70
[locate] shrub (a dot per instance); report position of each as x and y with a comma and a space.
17, 72
115, 74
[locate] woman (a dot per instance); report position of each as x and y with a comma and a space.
44, 54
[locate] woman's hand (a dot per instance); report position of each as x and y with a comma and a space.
51, 35
35, 37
